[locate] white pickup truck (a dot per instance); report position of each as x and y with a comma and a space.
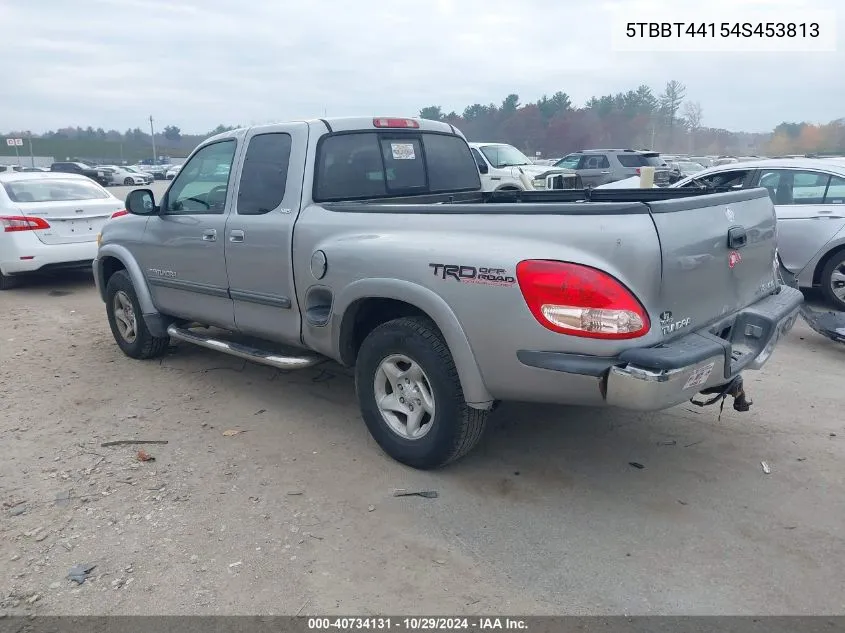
504, 168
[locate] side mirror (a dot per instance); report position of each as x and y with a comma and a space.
141, 202
482, 168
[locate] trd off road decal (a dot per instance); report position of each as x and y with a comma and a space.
473, 274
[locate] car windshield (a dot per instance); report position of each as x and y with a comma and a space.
52, 190
504, 156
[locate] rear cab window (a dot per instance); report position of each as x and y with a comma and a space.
362, 165
264, 173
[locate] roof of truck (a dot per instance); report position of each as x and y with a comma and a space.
354, 123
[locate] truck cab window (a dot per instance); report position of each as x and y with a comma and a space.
202, 184
264, 173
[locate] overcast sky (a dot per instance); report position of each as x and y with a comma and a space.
197, 63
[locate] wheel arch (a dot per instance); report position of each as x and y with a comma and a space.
824, 259
112, 258
366, 304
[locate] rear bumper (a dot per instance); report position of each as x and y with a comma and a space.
656, 378
43, 257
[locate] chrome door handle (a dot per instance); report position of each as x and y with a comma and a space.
604, 172
209, 236
236, 236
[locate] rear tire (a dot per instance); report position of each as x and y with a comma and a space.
833, 281
127, 321
415, 347
7, 282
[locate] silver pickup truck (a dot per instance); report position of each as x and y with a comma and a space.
368, 242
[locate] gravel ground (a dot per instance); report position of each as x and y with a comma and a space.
295, 513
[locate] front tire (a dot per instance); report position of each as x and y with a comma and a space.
833, 281
127, 321
128, 182
410, 395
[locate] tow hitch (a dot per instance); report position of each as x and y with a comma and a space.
734, 389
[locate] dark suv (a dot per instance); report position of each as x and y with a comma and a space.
601, 166
93, 173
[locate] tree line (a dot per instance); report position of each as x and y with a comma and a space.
552, 126
638, 118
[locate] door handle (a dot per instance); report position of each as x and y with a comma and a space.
737, 237
209, 235
604, 173
236, 236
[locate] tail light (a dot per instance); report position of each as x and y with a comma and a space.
118, 214
14, 223
402, 123
638, 171
580, 301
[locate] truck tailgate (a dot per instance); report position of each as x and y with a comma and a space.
718, 256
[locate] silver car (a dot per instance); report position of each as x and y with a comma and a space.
809, 198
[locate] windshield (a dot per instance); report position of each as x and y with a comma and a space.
50, 190
504, 156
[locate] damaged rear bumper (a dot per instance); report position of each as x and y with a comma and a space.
660, 377
828, 323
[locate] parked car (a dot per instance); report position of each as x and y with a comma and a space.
370, 242
172, 172
50, 221
97, 175
686, 167
122, 176
705, 161
502, 168
148, 177
809, 199
157, 171
601, 166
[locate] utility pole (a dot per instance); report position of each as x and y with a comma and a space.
153, 137
31, 154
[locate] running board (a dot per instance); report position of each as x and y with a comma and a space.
244, 351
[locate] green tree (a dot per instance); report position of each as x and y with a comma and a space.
172, 133
558, 104
434, 112
510, 104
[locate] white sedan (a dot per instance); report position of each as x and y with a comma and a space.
171, 173
140, 172
122, 176
50, 221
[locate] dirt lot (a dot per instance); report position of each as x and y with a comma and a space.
295, 514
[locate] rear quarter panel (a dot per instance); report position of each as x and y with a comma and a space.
401, 256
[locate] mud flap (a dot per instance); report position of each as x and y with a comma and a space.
734, 388
830, 324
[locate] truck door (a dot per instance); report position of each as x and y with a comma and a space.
259, 232
181, 252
